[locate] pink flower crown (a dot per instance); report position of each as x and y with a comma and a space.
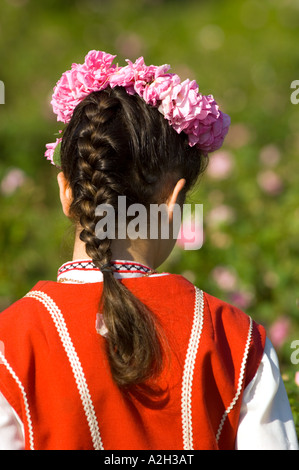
181, 103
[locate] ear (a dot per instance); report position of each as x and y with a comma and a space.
173, 199
65, 193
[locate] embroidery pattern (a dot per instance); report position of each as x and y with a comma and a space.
118, 267
26, 404
186, 404
240, 382
75, 363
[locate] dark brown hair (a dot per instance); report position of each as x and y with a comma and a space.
117, 145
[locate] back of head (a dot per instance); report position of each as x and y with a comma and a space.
120, 136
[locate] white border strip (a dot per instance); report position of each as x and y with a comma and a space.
186, 404
75, 363
241, 378
4, 362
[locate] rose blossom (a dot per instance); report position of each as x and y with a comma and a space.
78, 82
49, 154
161, 90
211, 137
135, 76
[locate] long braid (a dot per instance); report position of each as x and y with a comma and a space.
134, 348
93, 183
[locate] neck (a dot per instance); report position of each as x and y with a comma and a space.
147, 252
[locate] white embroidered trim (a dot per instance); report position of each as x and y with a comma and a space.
186, 404
75, 363
4, 361
241, 378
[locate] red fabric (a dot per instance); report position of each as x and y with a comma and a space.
36, 355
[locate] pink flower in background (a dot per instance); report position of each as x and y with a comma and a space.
130, 44
270, 182
241, 299
239, 135
220, 165
279, 331
297, 378
220, 214
225, 278
270, 155
13, 180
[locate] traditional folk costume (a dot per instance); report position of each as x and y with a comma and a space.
220, 389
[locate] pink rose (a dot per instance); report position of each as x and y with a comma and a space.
135, 76
188, 102
72, 88
98, 61
160, 90
211, 137
125, 77
241, 299
80, 81
49, 154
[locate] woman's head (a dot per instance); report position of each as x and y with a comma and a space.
117, 144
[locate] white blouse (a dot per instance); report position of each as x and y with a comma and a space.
266, 421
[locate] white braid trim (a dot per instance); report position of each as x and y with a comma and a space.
240, 382
4, 362
186, 404
75, 363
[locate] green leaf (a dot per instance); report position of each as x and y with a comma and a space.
56, 155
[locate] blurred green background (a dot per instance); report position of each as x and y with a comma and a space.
243, 52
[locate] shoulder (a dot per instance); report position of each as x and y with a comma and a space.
22, 310
224, 315
233, 329
25, 320
228, 317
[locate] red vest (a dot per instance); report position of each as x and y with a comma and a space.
56, 376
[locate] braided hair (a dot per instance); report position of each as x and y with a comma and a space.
117, 145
